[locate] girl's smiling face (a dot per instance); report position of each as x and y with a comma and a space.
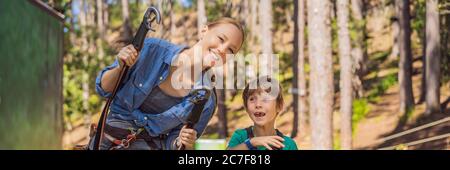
219, 40
262, 108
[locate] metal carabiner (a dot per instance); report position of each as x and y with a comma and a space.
151, 15
199, 95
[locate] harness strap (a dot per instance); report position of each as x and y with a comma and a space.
249, 132
251, 135
122, 138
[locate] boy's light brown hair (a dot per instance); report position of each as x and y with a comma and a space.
260, 86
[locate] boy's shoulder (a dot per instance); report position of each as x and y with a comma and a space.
240, 134
240, 131
291, 144
288, 139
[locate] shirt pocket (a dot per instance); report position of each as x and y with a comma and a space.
125, 96
141, 82
142, 86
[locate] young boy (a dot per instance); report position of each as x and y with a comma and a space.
263, 105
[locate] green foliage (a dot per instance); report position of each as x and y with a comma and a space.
307, 68
279, 10
361, 106
211, 136
81, 66
115, 14
381, 87
285, 60
419, 14
401, 147
357, 31
336, 143
379, 57
334, 34
360, 109
217, 10
405, 117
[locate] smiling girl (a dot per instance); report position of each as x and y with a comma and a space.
149, 102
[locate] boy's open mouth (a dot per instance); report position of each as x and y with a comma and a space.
259, 114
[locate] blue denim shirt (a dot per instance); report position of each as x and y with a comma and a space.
152, 68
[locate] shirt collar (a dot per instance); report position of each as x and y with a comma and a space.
174, 53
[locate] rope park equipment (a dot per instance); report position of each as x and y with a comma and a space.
151, 15
443, 136
199, 99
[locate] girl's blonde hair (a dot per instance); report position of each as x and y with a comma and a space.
226, 20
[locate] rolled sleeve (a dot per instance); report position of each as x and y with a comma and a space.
207, 114
172, 137
98, 80
199, 127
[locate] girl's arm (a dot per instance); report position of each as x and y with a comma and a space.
164, 122
109, 79
176, 124
127, 55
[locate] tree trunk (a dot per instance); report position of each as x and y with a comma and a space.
72, 36
299, 81
160, 5
346, 75
321, 74
173, 26
201, 16
395, 31
82, 22
100, 30
244, 11
254, 21
100, 17
90, 14
105, 15
433, 56
127, 32
222, 113
265, 18
83, 19
90, 18
423, 84
358, 50
405, 63
161, 32
147, 3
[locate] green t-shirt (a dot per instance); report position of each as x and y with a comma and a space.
239, 136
